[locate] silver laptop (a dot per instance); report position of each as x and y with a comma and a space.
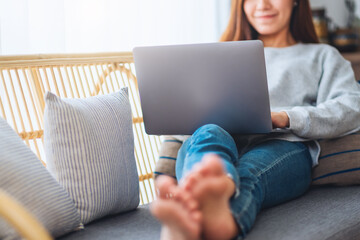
183, 87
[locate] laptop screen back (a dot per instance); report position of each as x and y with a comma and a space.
183, 87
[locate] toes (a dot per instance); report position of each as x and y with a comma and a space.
192, 205
212, 165
157, 208
179, 221
186, 198
191, 180
182, 196
165, 186
196, 216
197, 167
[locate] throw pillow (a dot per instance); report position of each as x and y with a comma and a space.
339, 161
170, 145
23, 177
89, 147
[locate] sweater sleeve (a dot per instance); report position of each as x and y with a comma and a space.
337, 108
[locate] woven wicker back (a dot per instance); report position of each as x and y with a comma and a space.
25, 79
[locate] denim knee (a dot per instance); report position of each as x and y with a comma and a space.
213, 138
210, 129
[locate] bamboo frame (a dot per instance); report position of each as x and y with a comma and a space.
64, 59
72, 75
18, 217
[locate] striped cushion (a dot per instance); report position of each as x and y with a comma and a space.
89, 147
170, 146
24, 177
339, 162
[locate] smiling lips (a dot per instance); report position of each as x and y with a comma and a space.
266, 17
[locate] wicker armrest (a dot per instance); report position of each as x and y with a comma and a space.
17, 216
24, 79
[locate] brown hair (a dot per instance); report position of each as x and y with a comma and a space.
301, 25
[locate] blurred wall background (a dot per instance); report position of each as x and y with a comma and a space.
72, 26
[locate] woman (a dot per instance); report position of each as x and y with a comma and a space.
224, 181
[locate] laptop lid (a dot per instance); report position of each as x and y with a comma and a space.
183, 87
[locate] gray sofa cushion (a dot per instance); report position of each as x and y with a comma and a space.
137, 224
322, 213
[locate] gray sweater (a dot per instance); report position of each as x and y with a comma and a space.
316, 87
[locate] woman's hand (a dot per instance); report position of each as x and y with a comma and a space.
280, 119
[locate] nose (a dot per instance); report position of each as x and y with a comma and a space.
263, 4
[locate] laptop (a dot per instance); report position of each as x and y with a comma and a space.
183, 87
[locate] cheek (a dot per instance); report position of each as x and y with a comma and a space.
248, 9
286, 9
285, 18
289, 13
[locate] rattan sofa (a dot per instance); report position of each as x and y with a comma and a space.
322, 213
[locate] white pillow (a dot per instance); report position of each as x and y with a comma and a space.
24, 178
89, 148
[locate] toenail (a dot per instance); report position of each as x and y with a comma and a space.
230, 176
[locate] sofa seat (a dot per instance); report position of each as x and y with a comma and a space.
137, 224
322, 213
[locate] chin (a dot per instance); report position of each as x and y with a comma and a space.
266, 31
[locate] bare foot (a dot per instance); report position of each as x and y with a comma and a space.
177, 211
212, 188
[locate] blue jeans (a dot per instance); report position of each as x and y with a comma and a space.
268, 174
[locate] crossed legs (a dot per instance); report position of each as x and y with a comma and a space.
199, 206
